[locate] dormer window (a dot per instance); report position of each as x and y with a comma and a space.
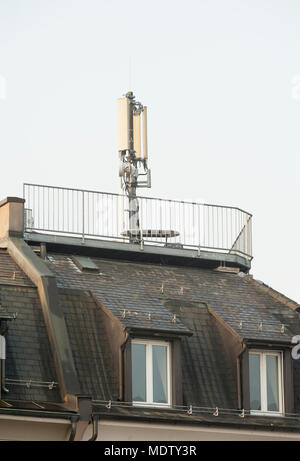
151, 373
266, 382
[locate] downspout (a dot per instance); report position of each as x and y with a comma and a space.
73, 431
3, 331
2, 372
95, 420
239, 377
2, 364
122, 365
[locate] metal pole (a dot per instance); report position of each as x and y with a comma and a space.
82, 216
141, 228
199, 234
133, 209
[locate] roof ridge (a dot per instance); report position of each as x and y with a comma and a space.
273, 293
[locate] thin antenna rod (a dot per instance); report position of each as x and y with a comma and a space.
129, 65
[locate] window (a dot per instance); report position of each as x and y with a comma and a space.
266, 382
151, 372
85, 264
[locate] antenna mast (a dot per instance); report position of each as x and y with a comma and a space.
133, 158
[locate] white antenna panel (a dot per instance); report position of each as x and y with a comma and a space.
123, 124
137, 134
145, 136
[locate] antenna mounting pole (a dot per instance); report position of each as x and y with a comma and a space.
133, 162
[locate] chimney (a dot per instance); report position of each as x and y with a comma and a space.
11, 217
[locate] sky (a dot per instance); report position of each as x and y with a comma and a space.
221, 79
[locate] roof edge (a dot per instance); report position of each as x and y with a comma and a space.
273, 293
224, 324
45, 281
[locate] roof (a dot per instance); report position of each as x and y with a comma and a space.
135, 302
185, 301
133, 290
30, 371
10, 273
90, 344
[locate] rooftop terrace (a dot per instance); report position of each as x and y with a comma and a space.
200, 233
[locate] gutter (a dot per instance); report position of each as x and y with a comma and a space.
74, 419
203, 420
285, 343
38, 413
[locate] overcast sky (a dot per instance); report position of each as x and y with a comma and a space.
221, 79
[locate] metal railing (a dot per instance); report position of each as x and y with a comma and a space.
171, 223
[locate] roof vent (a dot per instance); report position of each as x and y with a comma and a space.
232, 270
85, 264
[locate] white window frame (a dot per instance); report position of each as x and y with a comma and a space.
263, 383
149, 372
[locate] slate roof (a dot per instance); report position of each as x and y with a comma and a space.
90, 344
179, 299
207, 379
188, 292
140, 289
125, 289
29, 363
10, 273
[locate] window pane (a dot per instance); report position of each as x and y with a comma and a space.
272, 383
254, 370
159, 360
138, 372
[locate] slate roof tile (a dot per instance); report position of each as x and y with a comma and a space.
10, 273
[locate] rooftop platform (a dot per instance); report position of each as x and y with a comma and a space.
76, 220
